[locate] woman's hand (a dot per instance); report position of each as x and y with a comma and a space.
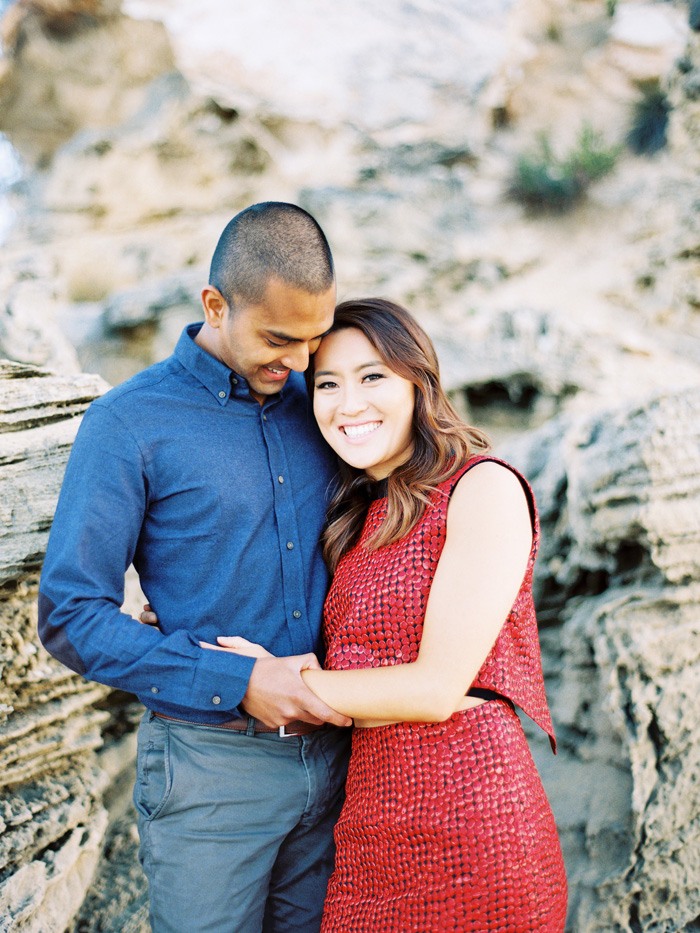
235, 643
238, 645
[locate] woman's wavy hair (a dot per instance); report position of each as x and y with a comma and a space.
442, 442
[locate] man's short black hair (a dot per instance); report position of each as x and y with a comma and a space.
270, 240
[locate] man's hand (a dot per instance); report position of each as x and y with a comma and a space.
277, 695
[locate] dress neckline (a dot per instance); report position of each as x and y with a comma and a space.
379, 489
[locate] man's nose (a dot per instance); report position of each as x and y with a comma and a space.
297, 357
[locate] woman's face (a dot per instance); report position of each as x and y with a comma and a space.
363, 408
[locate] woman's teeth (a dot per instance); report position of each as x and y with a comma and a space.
359, 430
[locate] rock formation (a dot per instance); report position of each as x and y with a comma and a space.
619, 595
573, 339
52, 821
57, 780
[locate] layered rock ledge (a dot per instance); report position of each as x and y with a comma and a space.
52, 815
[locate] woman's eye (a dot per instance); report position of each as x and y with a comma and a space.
373, 377
325, 385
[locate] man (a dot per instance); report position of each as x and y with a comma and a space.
208, 473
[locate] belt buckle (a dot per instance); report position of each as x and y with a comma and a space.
282, 732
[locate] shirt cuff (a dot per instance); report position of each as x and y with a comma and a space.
220, 680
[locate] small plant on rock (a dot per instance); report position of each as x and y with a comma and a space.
544, 182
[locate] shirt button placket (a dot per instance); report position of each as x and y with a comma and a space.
292, 575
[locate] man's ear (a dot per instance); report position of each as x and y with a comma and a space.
214, 305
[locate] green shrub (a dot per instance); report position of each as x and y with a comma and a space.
592, 158
544, 182
649, 122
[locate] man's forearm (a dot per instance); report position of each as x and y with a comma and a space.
169, 673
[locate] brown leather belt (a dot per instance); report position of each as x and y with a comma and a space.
297, 727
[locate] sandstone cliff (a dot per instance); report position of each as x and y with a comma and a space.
573, 338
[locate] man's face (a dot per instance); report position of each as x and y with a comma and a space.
262, 342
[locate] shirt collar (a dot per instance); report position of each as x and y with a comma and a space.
222, 382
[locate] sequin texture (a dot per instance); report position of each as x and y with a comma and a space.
446, 826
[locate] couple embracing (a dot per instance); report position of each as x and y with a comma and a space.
285, 443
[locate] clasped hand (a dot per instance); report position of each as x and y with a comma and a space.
276, 694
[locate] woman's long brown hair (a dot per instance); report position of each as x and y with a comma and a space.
442, 442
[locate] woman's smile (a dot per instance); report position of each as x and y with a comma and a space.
360, 431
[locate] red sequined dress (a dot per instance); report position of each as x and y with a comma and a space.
446, 826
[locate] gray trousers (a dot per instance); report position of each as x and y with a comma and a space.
237, 830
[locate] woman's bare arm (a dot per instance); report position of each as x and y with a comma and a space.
489, 537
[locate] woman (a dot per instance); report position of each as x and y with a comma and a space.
446, 825
431, 640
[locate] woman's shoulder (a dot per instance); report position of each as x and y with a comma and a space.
489, 483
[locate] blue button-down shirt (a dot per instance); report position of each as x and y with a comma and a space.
219, 503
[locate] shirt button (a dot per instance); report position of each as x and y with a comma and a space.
280, 479
290, 545
234, 381
222, 394
264, 417
216, 700
296, 614
154, 689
